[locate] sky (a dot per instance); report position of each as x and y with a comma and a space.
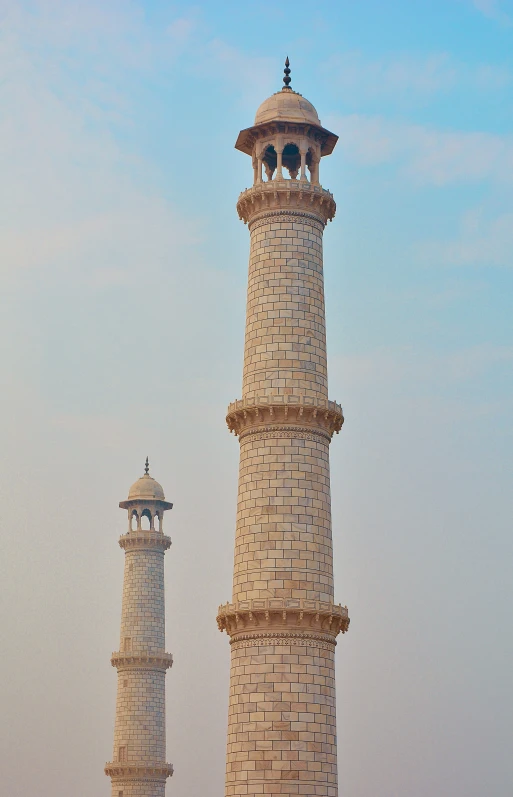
123, 273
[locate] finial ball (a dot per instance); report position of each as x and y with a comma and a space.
287, 79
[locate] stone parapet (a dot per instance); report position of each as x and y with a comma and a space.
286, 195
282, 613
148, 772
304, 411
145, 540
141, 661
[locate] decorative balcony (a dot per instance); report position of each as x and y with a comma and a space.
283, 614
136, 661
298, 410
286, 195
127, 770
146, 540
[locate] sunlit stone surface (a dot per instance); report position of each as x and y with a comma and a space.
282, 619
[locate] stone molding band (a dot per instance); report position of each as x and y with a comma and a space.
141, 661
278, 431
124, 770
290, 216
284, 614
306, 411
286, 195
283, 638
145, 540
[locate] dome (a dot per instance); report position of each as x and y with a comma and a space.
287, 106
146, 488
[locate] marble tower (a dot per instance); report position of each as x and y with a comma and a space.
282, 619
138, 767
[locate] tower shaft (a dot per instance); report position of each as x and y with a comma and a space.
138, 767
282, 620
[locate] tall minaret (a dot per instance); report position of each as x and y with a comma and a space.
282, 620
138, 767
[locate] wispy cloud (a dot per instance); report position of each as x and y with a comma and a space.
181, 30
253, 75
411, 78
75, 195
426, 155
479, 242
421, 370
395, 75
103, 38
492, 9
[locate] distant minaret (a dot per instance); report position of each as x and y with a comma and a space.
138, 767
282, 619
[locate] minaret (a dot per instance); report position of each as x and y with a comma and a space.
282, 620
138, 767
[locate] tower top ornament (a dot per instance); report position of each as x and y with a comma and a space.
286, 79
146, 467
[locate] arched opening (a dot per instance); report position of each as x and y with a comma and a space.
156, 522
134, 523
292, 160
146, 520
269, 159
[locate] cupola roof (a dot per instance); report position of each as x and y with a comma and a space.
145, 489
287, 106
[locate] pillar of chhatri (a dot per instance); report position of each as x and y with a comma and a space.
138, 767
282, 620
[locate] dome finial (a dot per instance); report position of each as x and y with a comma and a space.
286, 79
147, 468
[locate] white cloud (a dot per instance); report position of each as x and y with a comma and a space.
426, 155
409, 77
492, 10
479, 241
492, 77
395, 75
75, 199
254, 76
181, 30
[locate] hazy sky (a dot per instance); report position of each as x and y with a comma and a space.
123, 272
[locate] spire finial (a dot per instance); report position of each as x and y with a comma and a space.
286, 79
147, 468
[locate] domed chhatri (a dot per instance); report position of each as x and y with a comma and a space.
145, 489
287, 134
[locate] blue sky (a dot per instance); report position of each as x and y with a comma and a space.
123, 269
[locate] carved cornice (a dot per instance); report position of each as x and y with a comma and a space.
286, 195
263, 614
264, 411
282, 638
146, 540
125, 770
141, 661
280, 127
